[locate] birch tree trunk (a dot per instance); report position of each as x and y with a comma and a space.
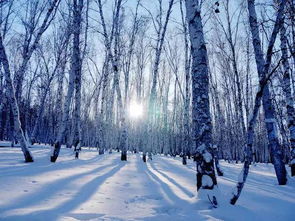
74, 83
259, 96
288, 96
248, 149
250, 138
101, 128
206, 179
263, 69
187, 88
13, 102
77, 69
60, 79
65, 118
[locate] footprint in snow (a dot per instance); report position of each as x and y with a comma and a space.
34, 181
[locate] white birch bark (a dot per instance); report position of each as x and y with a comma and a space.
288, 96
263, 86
263, 65
206, 179
74, 84
187, 88
250, 138
13, 102
77, 69
60, 80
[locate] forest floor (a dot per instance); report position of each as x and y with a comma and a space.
101, 187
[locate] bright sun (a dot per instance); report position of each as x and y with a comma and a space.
135, 110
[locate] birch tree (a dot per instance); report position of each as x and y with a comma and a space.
187, 87
74, 83
202, 126
13, 102
263, 65
288, 95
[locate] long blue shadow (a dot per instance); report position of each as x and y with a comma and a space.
49, 190
82, 196
184, 190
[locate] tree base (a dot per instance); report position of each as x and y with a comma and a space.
281, 172
184, 160
57, 147
53, 159
29, 159
219, 172
144, 158
101, 151
77, 155
123, 157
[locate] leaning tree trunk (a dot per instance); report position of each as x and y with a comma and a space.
250, 139
259, 96
206, 179
248, 149
288, 96
263, 69
12, 99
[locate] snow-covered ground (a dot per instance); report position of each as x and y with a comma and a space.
104, 188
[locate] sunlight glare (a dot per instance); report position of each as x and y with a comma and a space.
135, 110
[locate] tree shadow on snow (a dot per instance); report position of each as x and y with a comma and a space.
173, 181
175, 208
42, 164
50, 189
85, 192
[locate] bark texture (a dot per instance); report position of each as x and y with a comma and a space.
288, 96
206, 178
263, 65
14, 106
